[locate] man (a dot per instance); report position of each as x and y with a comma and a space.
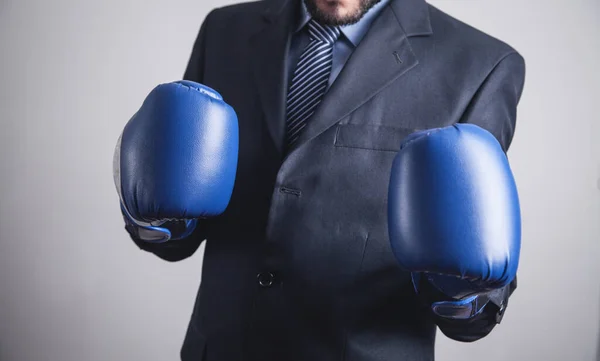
299, 266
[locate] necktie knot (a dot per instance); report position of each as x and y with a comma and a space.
323, 33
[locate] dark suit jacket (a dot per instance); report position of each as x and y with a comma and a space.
299, 267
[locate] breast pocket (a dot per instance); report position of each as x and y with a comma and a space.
371, 137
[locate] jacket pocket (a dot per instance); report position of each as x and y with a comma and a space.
371, 137
194, 346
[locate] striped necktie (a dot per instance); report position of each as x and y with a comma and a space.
310, 78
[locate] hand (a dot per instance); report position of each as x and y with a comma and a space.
176, 160
454, 218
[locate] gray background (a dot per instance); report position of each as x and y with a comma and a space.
74, 287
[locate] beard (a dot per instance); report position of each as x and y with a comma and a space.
330, 19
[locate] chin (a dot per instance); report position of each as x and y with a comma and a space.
336, 9
339, 12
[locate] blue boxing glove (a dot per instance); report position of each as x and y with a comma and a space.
176, 161
454, 218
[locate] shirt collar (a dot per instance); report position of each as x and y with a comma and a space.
355, 32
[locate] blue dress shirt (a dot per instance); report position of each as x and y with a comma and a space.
350, 37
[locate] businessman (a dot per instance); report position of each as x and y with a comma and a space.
304, 105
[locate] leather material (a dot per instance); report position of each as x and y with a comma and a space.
466, 308
454, 210
177, 157
317, 218
168, 230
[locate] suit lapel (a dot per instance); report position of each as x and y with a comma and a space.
270, 48
382, 57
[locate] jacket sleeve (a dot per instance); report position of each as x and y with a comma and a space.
494, 108
195, 66
179, 249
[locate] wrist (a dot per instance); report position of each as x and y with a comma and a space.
456, 299
159, 231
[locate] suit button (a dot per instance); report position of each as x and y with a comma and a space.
265, 279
